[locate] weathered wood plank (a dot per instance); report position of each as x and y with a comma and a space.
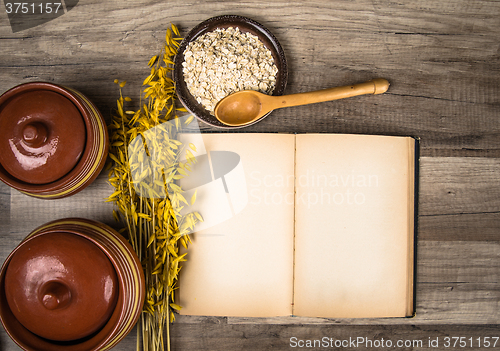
5, 203
450, 186
401, 17
462, 226
443, 262
459, 199
89, 203
281, 337
221, 336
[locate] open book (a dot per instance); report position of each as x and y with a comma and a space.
323, 226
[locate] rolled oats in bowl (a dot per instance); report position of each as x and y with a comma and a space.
235, 58
226, 60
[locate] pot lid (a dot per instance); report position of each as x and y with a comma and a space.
43, 136
61, 286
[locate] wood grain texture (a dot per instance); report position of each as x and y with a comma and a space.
281, 337
459, 198
443, 61
327, 44
86, 204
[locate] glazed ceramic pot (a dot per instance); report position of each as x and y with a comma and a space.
54, 141
72, 284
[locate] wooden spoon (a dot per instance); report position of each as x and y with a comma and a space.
247, 106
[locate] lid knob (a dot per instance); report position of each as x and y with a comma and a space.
55, 295
35, 134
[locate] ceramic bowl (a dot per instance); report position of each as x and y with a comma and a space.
54, 141
49, 281
245, 25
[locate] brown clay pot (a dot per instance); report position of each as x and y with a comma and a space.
72, 284
54, 141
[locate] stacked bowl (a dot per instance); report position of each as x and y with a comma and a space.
72, 284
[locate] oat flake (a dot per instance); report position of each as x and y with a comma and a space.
225, 61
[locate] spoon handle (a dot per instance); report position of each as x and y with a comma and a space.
375, 86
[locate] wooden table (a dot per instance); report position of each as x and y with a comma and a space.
443, 61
